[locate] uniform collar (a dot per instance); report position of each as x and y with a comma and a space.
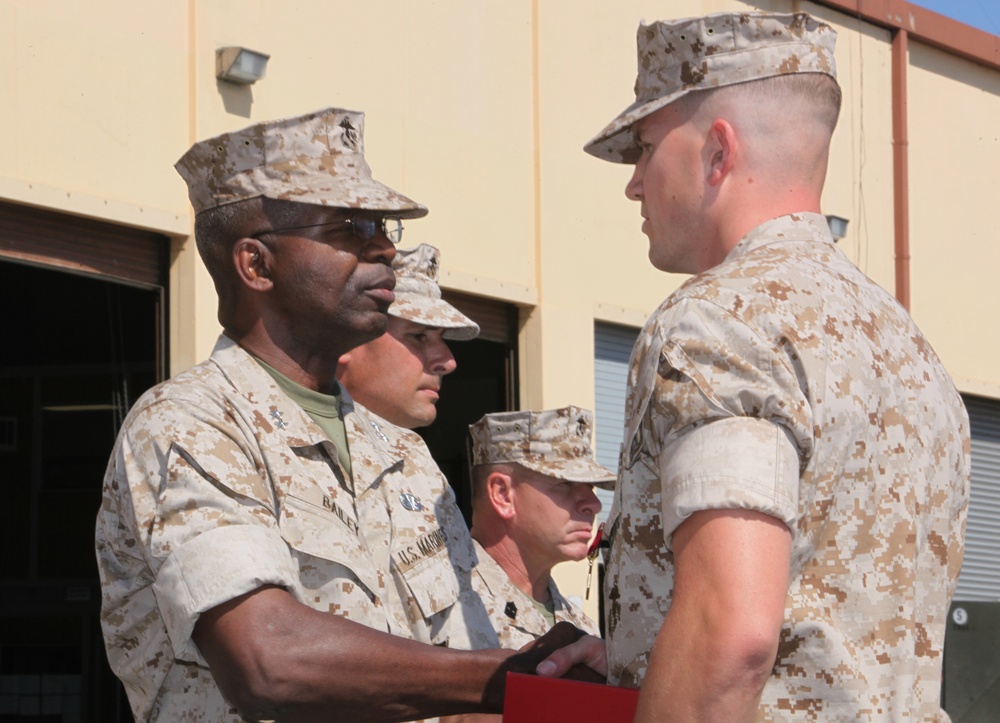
280, 414
805, 226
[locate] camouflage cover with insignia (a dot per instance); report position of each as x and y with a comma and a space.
787, 382
551, 442
515, 618
418, 295
691, 54
316, 158
219, 484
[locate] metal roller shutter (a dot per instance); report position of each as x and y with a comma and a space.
612, 348
497, 320
84, 246
980, 578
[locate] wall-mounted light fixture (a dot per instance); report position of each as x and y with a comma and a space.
240, 65
838, 227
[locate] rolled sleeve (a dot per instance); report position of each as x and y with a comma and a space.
733, 425
213, 568
734, 463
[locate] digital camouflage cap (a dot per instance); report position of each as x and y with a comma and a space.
554, 442
680, 56
418, 296
316, 158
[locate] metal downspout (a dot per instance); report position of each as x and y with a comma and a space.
901, 166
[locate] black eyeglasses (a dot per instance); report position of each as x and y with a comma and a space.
363, 227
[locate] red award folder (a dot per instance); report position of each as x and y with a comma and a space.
534, 699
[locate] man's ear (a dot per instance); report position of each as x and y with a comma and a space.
344, 375
252, 260
721, 151
500, 491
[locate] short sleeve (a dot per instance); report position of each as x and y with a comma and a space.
201, 512
213, 568
734, 427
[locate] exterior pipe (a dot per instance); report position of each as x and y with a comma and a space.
901, 166
903, 19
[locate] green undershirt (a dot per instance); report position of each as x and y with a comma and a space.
548, 610
324, 409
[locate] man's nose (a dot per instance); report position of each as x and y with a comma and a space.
633, 189
442, 360
379, 250
589, 501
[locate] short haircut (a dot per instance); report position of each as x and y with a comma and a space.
817, 91
481, 472
217, 229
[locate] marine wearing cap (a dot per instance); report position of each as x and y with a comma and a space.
736, 439
418, 296
229, 413
525, 520
682, 56
554, 442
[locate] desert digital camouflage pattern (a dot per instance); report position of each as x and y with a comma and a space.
219, 484
418, 296
515, 617
681, 56
316, 158
553, 442
785, 381
430, 552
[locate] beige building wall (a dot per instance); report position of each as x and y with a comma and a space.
480, 109
859, 183
955, 195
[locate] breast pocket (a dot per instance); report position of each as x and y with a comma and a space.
331, 539
432, 581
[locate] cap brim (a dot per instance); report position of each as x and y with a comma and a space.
616, 142
323, 189
579, 469
436, 313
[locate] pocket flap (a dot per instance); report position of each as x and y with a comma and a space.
432, 582
328, 534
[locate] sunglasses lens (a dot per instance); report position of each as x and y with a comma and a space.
363, 227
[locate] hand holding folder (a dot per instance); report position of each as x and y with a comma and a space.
534, 699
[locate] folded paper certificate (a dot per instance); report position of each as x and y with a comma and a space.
533, 699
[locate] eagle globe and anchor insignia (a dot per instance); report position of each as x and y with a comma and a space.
411, 502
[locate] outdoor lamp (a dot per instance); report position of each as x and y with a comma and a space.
838, 227
240, 65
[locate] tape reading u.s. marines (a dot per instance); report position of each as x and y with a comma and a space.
424, 547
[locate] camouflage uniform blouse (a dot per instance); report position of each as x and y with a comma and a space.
785, 381
219, 484
515, 618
